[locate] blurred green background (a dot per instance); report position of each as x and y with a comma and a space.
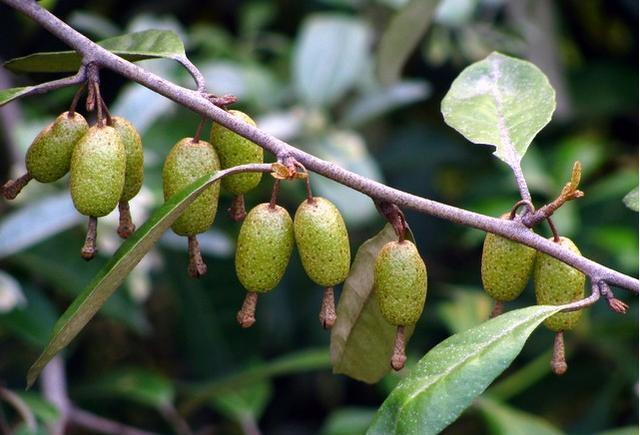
310, 73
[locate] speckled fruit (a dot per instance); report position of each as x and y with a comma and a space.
235, 150
134, 173
322, 241
558, 283
264, 247
506, 267
187, 162
97, 171
49, 156
400, 283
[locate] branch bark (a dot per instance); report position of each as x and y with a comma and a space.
198, 102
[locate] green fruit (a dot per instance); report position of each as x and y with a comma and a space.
97, 171
187, 162
505, 268
235, 150
557, 283
400, 283
264, 247
322, 241
134, 173
49, 156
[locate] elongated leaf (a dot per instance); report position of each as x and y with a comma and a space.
362, 340
448, 378
148, 44
401, 37
500, 101
329, 56
505, 420
85, 306
248, 402
8, 95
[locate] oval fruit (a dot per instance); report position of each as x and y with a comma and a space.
264, 247
322, 241
97, 171
557, 283
505, 268
400, 282
49, 155
187, 161
235, 150
134, 172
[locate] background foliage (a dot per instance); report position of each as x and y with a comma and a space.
167, 339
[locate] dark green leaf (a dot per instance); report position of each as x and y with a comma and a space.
505, 420
362, 340
148, 44
42, 409
401, 37
500, 101
243, 403
85, 306
8, 95
140, 385
348, 421
448, 378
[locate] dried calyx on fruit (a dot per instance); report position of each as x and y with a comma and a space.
400, 283
134, 172
188, 160
97, 177
264, 247
505, 268
323, 244
557, 283
235, 150
49, 156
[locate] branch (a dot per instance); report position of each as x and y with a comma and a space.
197, 102
97, 424
45, 87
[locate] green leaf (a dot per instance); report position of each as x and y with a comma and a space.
148, 44
85, 306
307, 360
631, 199
8, 95
42, 409
448, 378
466, 309
500, 101
401, 37
348, 421
240, 404
329, 56
139, 385
362, 340
505, 420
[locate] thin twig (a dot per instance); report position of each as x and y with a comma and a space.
20, 406
97, 424
201, 84
200, 104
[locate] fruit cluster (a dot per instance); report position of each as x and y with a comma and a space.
105, 162
506, 267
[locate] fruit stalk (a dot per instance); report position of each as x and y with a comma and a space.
247, 314
274, 194
12, 188
328, 309
89, 250
197, 266
399, 357
237, 212
126, 227
498, 308
558, 363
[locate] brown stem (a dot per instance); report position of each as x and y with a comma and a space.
76, 98
392, 213
223, 100
328, 309
12, 188
197, 266
498, 308
554, 230
198, 135
247, 314
399, 358
89, 249
517, 205
237, 212
126, 227
106, 112
274, 194
98, 103
615, 304
558, 363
